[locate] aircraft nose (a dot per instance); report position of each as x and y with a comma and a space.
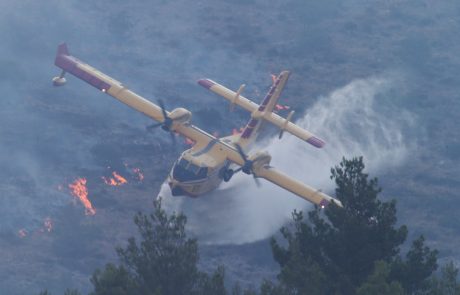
176, 190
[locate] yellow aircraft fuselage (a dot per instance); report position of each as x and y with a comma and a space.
201, 168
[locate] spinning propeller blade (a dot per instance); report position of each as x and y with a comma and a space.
247, 166
166, 124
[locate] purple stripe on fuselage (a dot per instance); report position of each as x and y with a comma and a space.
253, 123
316, 142
269, 95
246, 133
266, 99
265, 102
206, 83
249, 128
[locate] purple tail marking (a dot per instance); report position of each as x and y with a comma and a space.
249, 128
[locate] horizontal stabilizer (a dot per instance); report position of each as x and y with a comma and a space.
265, 114
228, 94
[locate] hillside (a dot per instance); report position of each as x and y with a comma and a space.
379, 79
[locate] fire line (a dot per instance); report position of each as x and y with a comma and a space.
79, 190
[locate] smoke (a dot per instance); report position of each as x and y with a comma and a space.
355, 120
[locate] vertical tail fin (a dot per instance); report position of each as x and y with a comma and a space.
270, 100
267, 105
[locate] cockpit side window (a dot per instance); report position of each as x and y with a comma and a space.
203, 172
183, 163
194, 168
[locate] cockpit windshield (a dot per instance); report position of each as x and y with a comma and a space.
187, 171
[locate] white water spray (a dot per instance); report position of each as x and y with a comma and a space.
356, 120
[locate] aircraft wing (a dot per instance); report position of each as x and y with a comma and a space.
236, 98
294, 129
112, 87
281, 179
294, 186
232, 96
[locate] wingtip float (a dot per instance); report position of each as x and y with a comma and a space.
210, 160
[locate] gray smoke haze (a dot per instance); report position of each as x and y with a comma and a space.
159, 49
350, 120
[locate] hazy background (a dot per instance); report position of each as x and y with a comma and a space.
378, 79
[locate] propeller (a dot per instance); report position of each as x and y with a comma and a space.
247, 166
166, 124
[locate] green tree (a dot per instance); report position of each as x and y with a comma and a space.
113, 280
300, 272
163, 261
212, 284
415, 271
446, 283
377, 283
339, 246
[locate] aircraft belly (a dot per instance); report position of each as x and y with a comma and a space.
195, 188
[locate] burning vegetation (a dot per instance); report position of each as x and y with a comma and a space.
22, 233
139, 174
115, 180
79, 190
47, 225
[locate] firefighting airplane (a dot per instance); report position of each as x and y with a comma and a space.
202, 168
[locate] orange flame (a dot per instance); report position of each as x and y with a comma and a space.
139, 173
79, 190
119, 178
116, 180
22, 233
110, 181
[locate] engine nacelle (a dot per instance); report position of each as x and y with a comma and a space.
59, 81
180, 115
259, 160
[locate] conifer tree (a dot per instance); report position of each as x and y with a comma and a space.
163, 261
340, 246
